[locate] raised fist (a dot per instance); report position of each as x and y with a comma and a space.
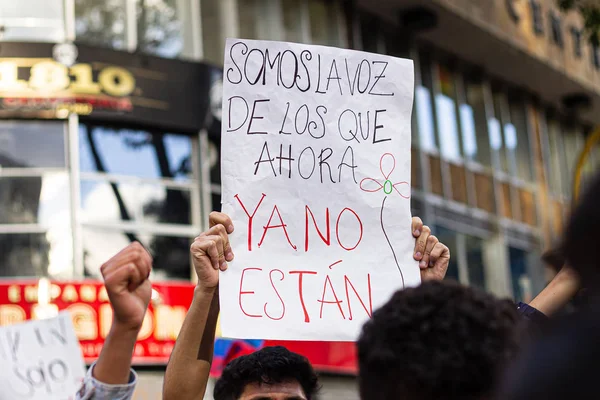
129, 290
211, 251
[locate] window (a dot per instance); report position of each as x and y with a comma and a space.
32, 20
573, 143
35, 213
446, 115
521, 282
556, 163
248, 14
476, 141
498, 126
293, 20
474, 251
138, 185
424, 109
324, 23
101, 23
517, 142
164, 27
449, 238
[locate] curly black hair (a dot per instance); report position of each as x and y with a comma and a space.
269, 365
437, 341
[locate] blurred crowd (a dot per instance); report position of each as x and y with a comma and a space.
439, 340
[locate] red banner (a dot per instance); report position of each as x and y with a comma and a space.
87, 301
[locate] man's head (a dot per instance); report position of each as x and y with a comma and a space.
437, 341
273, 373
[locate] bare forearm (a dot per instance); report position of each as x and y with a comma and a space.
188, 370
114, 364
558, 293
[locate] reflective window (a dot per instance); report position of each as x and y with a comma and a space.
446, 114
497, 126
323, 23
292, 20
101, 23
32, 20
521, 282
476, 141
424, 109
474, 251
136, 153
248, 15
161, 26
36, 254
104, 202
573, 143
40, 200
518, 141
25, 144
213, 41
556, 163
448, 237
170, 254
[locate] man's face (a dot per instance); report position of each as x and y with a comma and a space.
290, 390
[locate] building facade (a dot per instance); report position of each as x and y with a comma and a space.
110, 132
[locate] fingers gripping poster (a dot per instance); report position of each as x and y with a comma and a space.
316, 178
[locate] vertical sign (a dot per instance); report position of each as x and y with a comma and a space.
316, 177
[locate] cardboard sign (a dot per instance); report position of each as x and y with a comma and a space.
316, 177
40, 360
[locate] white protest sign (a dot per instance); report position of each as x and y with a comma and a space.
316, 177
40, 360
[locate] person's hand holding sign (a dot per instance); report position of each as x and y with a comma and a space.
211, 251
433, 256
188, 370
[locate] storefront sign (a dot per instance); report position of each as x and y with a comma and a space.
55, 80
91, 313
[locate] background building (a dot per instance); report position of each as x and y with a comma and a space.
117, 139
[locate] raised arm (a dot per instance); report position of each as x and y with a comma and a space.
129, 291
189, 367
558, 293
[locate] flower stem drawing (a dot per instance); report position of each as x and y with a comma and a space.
372, 185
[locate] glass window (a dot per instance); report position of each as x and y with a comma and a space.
497, 127
521, 282
37, 254
101, 23
32, 144
213, 41
40, 200
248, 18
474, 247
573, 144
292, 20
133, 152
323, 23
103, 202
556, 163
448, 237
518, 141
446, 113
476, 141
32, 20
170, 254
427, 138
162, 27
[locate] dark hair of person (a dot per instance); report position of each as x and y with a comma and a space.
439, 340
268, 366
582, 236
